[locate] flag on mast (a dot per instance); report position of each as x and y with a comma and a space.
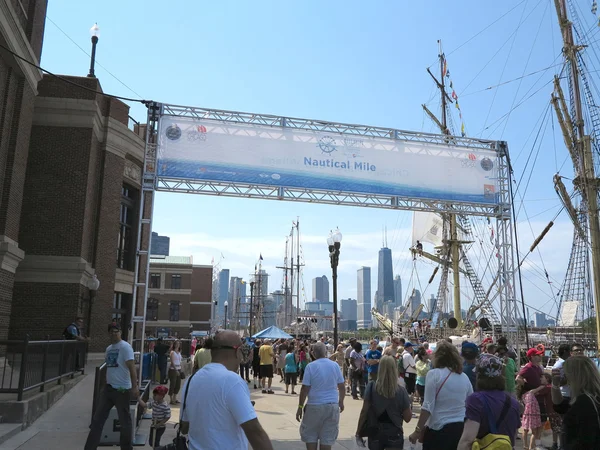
261, 258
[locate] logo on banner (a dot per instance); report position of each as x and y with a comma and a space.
487, 164
327, 144
489, 190
197, 134
173, 132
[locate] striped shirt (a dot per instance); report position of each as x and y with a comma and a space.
161, 412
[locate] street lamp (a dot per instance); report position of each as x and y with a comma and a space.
95, 34
93, 285
226, 305
334, 242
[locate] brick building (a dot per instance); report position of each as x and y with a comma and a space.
79, 212
179, 296
21, 30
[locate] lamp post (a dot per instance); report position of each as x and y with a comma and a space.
251, 308
93, 285
334, 242
226, 304
95, 34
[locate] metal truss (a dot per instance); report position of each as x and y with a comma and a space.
323, 126
305, 195
501, 211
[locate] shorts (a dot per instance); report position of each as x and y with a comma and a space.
388, 436
266, 371
291, 378
320, 423
410, 380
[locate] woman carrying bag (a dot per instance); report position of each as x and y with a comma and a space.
385, 406
443, 410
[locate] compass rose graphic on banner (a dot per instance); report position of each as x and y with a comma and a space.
327, 144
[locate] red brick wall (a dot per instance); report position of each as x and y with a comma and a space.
6, 293
16, 160
105, 261
57, 179
44, 309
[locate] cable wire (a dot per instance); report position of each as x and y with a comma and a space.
118, 97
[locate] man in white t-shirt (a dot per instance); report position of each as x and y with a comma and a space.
217, 409
323, 384
121, 387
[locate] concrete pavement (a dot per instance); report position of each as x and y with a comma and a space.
65, 425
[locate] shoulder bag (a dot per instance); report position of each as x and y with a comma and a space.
180, 441
424, 430
370, 425
492, 440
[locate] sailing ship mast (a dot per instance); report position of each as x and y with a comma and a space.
453, 242
580, 147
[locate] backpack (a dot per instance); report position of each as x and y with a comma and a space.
67, 334
401, 369
492, 440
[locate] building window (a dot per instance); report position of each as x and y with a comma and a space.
125, 250
152, 309
175, 281
174, 311
155, 281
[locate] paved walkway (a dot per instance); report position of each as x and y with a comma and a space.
65, 425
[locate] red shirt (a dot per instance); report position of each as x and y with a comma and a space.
532, 373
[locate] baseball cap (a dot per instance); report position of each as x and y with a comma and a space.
533, 352
469, 349
408, 344
160, 390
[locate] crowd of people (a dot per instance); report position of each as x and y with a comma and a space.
470, 396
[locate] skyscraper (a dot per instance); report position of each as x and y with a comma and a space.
223, 294
237, 294
159, 245
397, 290
349, 308
385, 279
320, 289
363, 297
415, 301
432, 304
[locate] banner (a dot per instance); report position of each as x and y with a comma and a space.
278, 156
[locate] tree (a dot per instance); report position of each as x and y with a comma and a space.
588, 325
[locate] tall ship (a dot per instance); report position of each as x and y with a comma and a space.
460, 250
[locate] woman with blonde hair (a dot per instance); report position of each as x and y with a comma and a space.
443, 410
582, 422
388, 405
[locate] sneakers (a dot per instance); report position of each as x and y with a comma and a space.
255, 387
264, 391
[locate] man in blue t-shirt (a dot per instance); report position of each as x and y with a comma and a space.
470, 352
373, 356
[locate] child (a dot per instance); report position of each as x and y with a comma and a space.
161, 413
532, 417
553, 416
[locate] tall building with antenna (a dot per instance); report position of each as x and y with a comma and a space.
385, 276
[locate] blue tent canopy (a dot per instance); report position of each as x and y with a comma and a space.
272, 333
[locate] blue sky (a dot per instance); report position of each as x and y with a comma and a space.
350, 61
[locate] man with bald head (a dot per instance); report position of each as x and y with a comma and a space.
218, 407
323, 384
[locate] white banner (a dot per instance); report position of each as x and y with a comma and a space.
280, 156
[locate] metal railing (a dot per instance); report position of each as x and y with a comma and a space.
26, 365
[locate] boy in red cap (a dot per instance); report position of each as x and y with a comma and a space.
161, 413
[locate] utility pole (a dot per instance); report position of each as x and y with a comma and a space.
585, 180
453, 242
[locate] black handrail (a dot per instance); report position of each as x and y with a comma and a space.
36, 363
